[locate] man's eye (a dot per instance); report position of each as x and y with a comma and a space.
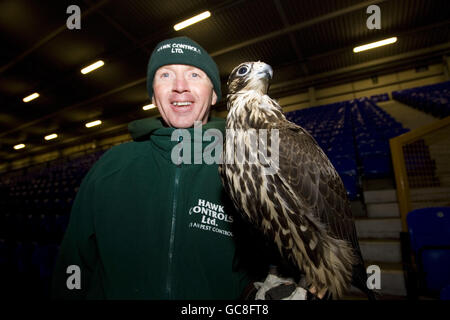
164, 75
195, 75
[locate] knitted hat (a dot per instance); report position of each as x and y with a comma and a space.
182, 50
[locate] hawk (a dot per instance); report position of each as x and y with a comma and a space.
302, 206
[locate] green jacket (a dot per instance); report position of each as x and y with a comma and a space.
142, 227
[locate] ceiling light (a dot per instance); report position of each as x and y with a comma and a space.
192, 20
19, 146
148, 106
93, 123
92, 67
375, 44
51, 136
31, 97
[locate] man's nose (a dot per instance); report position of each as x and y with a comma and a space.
180, 85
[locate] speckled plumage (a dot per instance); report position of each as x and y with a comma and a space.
303, 207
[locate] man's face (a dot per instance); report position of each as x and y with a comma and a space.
183, 94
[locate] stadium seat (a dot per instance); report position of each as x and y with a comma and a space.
445, 293
436, 266
429, 231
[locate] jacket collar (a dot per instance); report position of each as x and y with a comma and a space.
142, 129
161, 137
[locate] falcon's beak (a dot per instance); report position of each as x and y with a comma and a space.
265, 69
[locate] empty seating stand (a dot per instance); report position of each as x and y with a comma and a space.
35, 205
433, 99
373, 128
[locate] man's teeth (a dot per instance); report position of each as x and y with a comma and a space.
182, 103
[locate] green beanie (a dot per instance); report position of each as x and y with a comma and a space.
182, 50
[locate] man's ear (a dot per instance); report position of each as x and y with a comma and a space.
153, 99
214, 98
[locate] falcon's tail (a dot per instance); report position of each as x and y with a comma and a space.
333, 269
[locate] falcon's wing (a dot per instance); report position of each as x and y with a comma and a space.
305, 168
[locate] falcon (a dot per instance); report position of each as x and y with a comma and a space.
302, 205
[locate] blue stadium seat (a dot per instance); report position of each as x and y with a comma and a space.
429, 226
429, 230
436, 266
445, 293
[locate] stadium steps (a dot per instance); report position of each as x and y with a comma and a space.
378, 228
379, 231
379, 237
392, 283
385, 250
430, 197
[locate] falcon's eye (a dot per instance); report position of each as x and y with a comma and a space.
242, 71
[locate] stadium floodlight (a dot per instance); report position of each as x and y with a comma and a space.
92, 67
31, 97
51, 136
93, 123
375, 44
191, 21
148, 107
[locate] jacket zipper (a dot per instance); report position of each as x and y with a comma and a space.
172, 230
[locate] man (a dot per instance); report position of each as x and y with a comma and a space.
143, 227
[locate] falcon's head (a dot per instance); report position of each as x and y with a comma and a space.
250, 76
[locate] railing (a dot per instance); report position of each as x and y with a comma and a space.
421, 162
